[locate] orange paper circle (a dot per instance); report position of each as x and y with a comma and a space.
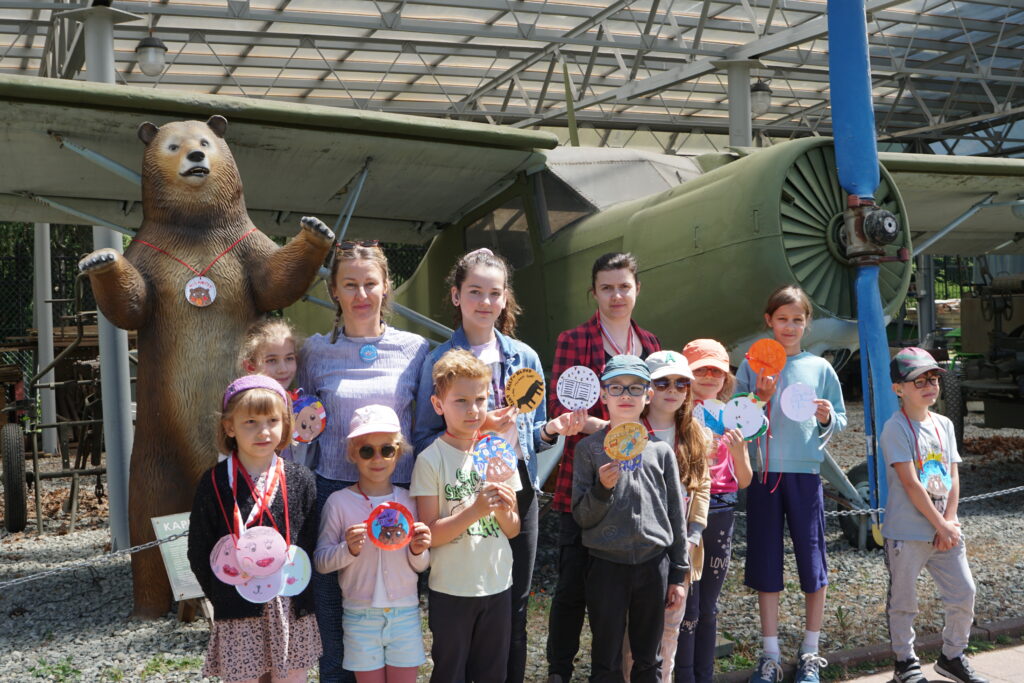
525, 390
768, 356
625, 441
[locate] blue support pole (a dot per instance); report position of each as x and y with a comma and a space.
853, 124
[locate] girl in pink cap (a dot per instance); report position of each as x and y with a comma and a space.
251, 533
369, 536
730, 470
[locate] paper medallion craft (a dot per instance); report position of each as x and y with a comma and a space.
224, 562
310, 418
709, 414
261, 551
625, 441
390, 526
296, 572
797, 401
524, 390
935, 477
494, 458
745, 413
578, 388
260, 589
200, 291
767, 356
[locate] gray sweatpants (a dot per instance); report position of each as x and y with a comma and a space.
952, 576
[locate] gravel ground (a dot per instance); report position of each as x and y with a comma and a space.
75, 626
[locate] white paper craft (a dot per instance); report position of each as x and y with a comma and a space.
744, 414
578, 388
797, 402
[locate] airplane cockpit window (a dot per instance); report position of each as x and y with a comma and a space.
564, 205
504, 231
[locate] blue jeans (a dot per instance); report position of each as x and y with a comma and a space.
328, 606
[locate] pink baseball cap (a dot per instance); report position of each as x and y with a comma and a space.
253, 382
703, 353
373, 419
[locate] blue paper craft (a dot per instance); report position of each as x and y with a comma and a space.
494, 458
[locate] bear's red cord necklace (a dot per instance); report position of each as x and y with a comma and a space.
205, 270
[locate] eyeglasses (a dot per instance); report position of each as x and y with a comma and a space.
708, 371
387, 451
664, 383
620, 389
352, 244
922, 382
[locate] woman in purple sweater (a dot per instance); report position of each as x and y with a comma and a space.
362, 361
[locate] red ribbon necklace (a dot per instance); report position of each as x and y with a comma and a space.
205, 270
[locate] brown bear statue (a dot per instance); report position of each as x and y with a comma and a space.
190, 318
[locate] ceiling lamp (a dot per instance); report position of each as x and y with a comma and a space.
760, 98
150, 54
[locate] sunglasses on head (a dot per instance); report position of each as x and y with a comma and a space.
664, 383
346, 245
387, 451
620, 389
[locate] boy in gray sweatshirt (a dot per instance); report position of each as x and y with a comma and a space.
633, 517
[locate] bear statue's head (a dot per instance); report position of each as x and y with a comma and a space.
188, 170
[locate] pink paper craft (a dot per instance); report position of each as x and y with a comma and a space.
224, 562
261, 551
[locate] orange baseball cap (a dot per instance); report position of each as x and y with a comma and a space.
706, 352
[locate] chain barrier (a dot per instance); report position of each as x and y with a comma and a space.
152, 544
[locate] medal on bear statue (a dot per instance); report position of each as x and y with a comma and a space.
200, 291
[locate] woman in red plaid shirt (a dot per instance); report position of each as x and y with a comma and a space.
611, 331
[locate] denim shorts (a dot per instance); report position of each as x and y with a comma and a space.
382, 636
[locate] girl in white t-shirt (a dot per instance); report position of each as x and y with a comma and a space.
368, 534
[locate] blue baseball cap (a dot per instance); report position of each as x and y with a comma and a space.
625, 364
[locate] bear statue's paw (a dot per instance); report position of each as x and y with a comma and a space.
317, 226
97, 260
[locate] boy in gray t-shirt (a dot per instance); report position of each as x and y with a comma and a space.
921, 528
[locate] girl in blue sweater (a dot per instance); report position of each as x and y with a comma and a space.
787, 486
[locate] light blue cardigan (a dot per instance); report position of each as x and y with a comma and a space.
515, 356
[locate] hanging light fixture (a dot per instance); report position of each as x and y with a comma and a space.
150, 51
150, 54
760, 98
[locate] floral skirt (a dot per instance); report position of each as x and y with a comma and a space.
241, 649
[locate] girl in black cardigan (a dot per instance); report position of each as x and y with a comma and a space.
253, 637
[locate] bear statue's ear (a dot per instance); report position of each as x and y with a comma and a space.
218, 124
147, 131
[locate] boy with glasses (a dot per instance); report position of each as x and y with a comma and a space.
921, 528
633, 520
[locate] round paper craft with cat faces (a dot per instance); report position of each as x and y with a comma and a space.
260, 589
494, 459
525, 390
224, 562
309, 415
797, 401
261, 551
744, 412
578, 388
390, 526
625, 441
296, 572
766, 356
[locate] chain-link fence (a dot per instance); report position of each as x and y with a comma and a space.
403, 259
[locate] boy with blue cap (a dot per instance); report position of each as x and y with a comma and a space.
921, 527
633, 518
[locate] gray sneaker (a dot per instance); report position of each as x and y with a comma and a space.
908, 671
768, 671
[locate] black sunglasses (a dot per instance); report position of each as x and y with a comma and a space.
352, 244
663, 383
387, 451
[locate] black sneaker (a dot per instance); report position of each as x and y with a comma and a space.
957, 668
908, 671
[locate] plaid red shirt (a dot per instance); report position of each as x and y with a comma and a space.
582, 345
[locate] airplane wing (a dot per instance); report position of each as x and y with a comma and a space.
294, 159
938, 189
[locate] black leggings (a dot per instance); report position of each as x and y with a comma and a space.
695, 656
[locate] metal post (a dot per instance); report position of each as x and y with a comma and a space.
42, 285
925, 297
115, 378
740, 128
